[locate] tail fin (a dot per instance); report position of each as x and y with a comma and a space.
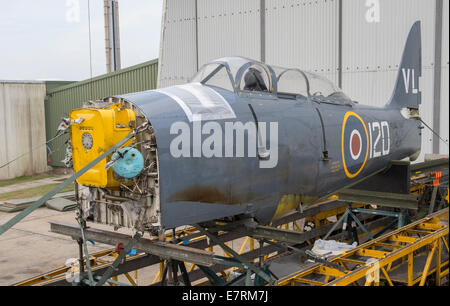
406, 93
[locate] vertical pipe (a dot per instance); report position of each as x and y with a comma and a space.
80, 252
340, 34
112, 40
196, 35
437, 75
107, 36
117, 36
263, 30
112, 24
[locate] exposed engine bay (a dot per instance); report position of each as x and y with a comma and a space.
123, 189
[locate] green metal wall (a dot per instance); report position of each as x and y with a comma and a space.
60, 101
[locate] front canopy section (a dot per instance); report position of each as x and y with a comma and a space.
237, 74
241, 74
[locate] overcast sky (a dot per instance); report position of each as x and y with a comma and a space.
49, 39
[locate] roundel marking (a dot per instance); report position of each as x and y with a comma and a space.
355, 144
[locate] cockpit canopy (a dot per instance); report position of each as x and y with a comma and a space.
241, 74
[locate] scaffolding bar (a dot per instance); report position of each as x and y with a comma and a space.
157, 248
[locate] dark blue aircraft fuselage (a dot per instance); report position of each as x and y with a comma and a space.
309, 143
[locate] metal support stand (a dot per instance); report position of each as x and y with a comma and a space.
212, 276
81, 256
401, 219
164, 273
247, 264
172, 267
184, 274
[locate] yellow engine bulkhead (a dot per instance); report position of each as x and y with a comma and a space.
101, 129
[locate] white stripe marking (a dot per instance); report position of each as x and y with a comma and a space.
206, 105
197, 91
180, 102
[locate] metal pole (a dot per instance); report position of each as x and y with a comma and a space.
240, 258
80, 251
336, 225
112, 40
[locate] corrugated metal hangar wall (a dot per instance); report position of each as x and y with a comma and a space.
357, 44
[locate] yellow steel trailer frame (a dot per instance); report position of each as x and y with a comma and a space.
386, 256
103, 259
373, 262
378, 259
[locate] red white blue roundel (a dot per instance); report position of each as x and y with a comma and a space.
355, 144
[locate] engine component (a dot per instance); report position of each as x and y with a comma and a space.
100, 129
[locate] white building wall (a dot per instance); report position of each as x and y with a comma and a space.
444, 131
178, 60
22, 128
305, 34
372, 52
238, 25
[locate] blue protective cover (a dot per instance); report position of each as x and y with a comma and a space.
130, 165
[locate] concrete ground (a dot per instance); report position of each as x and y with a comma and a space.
29, 248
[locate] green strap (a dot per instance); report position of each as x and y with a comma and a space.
86, 254
5, 227
118, 260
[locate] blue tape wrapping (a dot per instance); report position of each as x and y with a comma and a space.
132, 252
